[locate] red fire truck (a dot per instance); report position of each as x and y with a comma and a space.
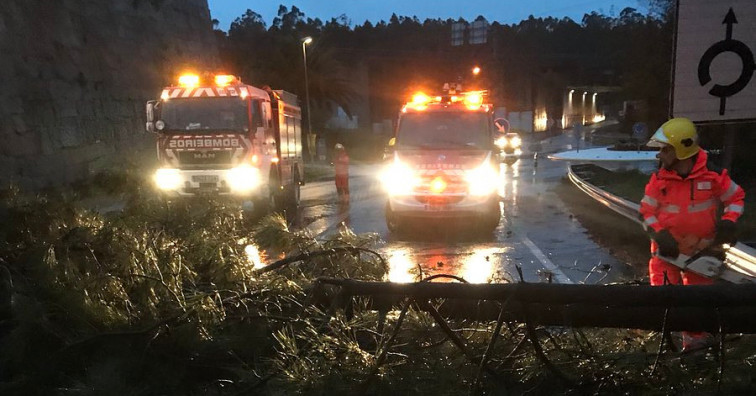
218, 136
443, 163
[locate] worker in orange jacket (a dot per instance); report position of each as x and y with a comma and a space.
680, 207
341, 170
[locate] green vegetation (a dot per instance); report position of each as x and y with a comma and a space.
166, 299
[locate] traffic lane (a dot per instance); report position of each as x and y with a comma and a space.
321, 212
431, 250
535, 211
537, 233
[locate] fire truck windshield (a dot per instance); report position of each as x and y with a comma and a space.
444, 130
200, 115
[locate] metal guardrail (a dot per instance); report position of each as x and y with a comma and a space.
740, 257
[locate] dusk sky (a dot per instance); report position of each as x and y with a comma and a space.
502, 11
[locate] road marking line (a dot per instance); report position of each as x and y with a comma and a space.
558, 274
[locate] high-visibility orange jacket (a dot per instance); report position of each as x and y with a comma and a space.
688, 207
341, 168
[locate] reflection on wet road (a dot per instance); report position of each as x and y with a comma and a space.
411, 263
537, 232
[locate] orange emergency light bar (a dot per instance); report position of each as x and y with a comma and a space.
472, 99
223, 80
193, 80
420, 98
188, 80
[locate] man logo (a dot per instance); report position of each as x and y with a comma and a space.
204, 155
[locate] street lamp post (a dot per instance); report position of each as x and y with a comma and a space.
305, 41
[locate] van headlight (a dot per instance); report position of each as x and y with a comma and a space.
515, 142
399, 179
167, 179
243, 178
482, 180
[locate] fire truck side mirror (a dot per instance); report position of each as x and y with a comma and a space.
150, 110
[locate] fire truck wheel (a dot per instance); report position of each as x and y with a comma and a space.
275, 202
290, 201
276, 197
294, 197
260, 208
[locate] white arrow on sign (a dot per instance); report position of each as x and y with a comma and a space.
714, 61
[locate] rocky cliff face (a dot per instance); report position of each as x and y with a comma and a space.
75, 75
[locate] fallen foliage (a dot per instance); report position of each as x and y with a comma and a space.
167, 298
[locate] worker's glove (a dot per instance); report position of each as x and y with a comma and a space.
667, 244
726, 233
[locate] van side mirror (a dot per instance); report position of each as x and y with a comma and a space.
150, 110
388, 151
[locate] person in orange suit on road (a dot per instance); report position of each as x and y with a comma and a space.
341, 170
680, 207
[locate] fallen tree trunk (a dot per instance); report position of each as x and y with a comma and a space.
731, 308
729, 319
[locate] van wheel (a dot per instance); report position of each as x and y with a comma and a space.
394, 222
489, 223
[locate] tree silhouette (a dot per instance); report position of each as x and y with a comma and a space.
520, 61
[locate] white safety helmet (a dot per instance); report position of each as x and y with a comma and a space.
339, 146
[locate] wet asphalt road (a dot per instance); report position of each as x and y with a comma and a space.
537, 231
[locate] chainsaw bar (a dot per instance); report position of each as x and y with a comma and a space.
710, 267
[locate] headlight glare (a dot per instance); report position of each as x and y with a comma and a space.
516, 142
167, 179
243, 178
482, 180
399, 179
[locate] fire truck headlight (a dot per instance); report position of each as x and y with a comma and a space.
243, 178
167, 179
399, 179
482, 180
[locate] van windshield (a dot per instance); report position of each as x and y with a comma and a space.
444, 130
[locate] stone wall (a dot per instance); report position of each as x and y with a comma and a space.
75, 75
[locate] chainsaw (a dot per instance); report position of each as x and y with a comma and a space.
709, 262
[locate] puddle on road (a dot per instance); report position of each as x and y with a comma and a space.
411, 264
483, 265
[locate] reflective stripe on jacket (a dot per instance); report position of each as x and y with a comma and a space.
688, 207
